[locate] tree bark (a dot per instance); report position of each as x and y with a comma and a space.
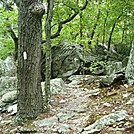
112, 30
30, 99
48, 51
129, 73
15, 39
104, 31
94, 28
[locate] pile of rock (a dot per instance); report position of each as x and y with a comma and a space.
8, 86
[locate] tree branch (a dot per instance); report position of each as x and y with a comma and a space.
60, 24
15, 39
7, 6
13, 35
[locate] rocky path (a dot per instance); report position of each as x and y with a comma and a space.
81, 109
69, 110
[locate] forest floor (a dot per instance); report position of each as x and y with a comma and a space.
76, 109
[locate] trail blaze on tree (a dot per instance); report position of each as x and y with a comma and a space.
30, 99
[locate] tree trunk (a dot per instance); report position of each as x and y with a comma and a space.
15, 39
104, 31
112, 30
48, 52
129, 73
94, 28
30, 99
81, 26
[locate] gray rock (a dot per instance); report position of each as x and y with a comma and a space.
131, 101
12, 109
101, 49
46, 122
106, 104
80, 77
9, 97
66, 59
24, 129
65, 116
126, 95
6, 121
57, 86
77, 78
7, 84
64, 129
93, 91
110, 79
2, 104
62, 101
114, 67
125, 61
8, 67
105, 121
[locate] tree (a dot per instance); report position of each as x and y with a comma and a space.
49, 36
112, 30
48, 51
69, 18
72, 15
129, 73
30, 99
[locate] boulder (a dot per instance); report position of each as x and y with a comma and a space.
57, 86
66, 59
88, 78
101, 49
8, 67
79, 78
105, 121
7, 84
9, 97
108, 80
114, 67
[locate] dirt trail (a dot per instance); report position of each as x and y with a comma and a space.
79, 107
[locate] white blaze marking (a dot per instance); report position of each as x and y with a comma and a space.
75, 59
24, 55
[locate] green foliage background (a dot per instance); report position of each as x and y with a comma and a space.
84, 21
7, 19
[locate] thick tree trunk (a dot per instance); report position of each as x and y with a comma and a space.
129, 73
30, 99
